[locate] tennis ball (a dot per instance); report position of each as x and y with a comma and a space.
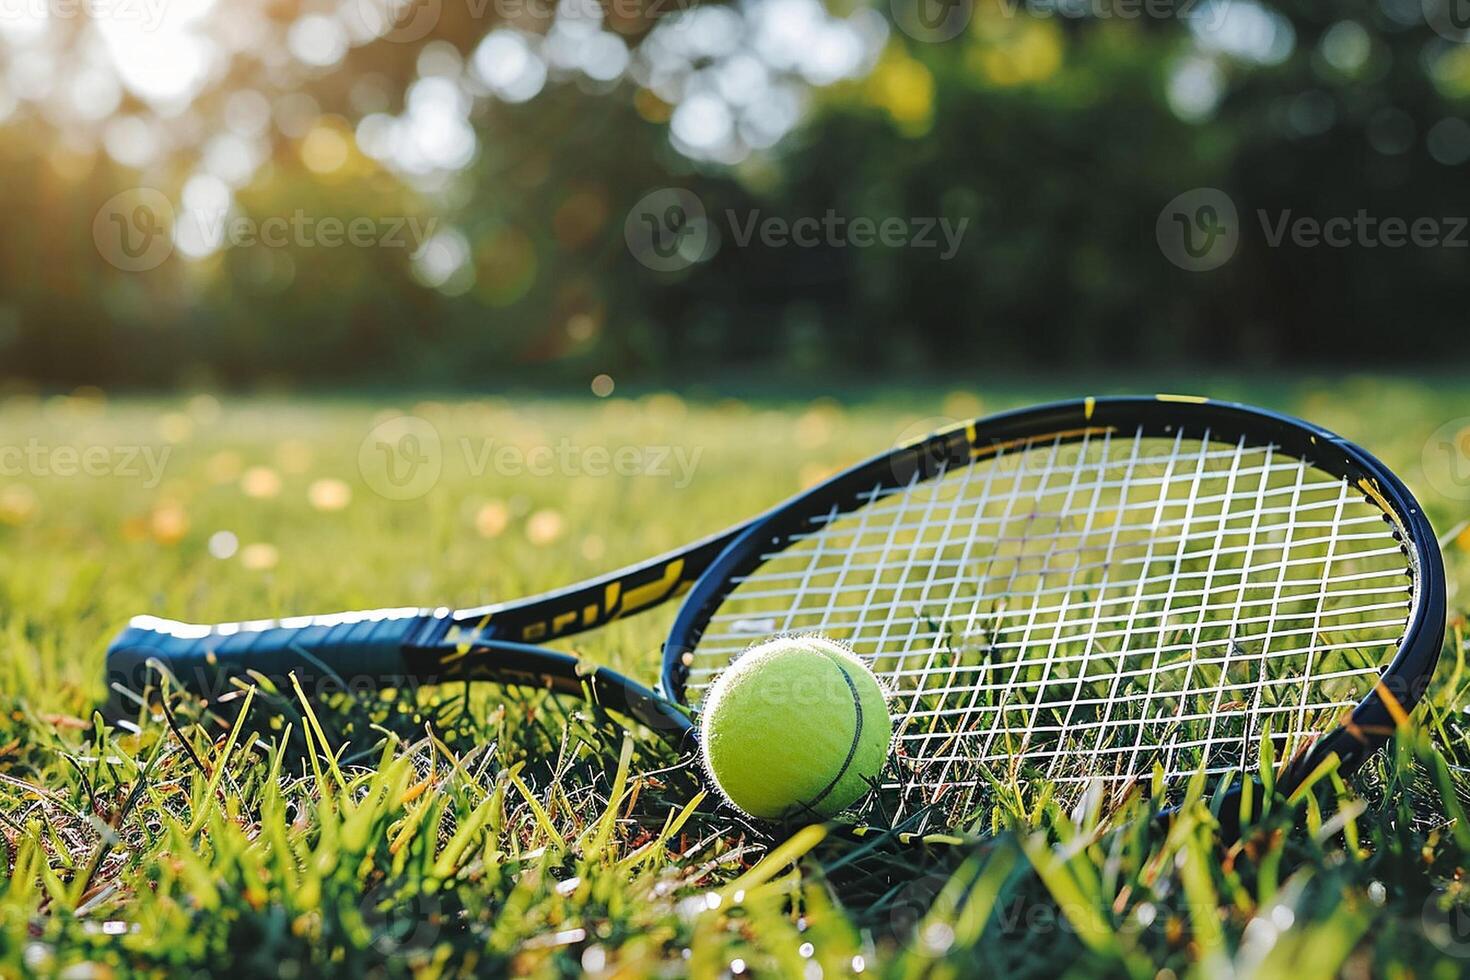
797, 726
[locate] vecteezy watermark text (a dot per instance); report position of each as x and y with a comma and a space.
1200, 230
1362, 230
410, 21
832, 230
137, 230
147, 14
36, 459
404, 457
937, 21
569, 459
1209, 13
302, 230
669, 230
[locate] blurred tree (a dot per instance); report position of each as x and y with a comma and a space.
499, 155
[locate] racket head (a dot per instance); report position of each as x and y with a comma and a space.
1090, 590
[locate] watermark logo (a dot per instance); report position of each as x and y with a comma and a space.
133, 230
1446, 459
397, 21
1450, 19
1199, 230
1447, 924
911, 904
401, 458
929, 456
932, 21
401, 920
668, 230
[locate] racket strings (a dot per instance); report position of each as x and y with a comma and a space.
1092, 608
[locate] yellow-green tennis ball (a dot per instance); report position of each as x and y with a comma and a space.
796, 727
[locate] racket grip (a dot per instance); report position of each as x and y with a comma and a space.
338, 648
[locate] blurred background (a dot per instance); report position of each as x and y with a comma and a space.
451, 192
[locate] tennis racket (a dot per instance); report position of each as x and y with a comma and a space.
1090, 592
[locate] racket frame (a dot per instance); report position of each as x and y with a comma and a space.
499, 642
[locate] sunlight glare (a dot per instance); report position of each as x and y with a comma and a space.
164, 63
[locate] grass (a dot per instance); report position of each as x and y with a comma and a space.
477, 830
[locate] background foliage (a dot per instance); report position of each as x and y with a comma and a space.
1057, 130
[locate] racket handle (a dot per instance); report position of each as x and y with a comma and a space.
339, 647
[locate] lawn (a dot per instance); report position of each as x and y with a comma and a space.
459, 831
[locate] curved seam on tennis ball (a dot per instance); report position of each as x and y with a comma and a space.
857, 732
